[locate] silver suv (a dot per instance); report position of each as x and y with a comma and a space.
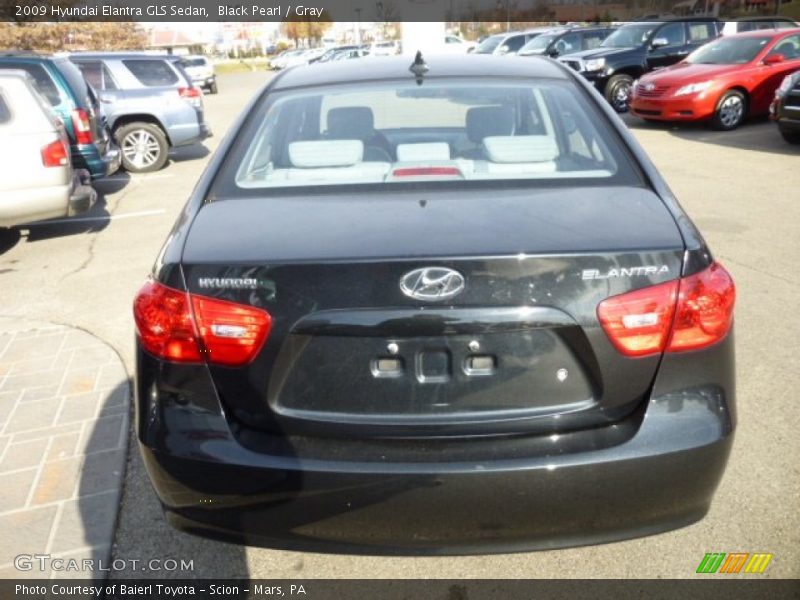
150, 103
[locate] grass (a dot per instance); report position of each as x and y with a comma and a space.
241, 66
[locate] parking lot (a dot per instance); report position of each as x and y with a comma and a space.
742, 189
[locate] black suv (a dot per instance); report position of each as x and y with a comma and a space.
636, 48
785, 109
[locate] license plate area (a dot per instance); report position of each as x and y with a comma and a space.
368, 379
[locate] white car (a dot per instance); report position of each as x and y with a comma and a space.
757, 24
36, 176
456, 45
279, 62
201, 72
385, 48
303, 57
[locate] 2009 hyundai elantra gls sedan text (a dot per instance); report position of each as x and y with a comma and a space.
449, 308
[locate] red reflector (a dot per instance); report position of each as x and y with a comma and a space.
224, 332
82, 125
705, 309
232, 333
638, 323
55, 154
417, 171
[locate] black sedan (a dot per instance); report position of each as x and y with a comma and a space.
785, 108
449, 308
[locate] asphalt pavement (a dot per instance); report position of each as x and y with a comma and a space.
742, 189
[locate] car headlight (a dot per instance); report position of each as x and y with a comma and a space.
595, 64
693, 88
787, 84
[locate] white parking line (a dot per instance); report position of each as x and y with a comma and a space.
136, 177
141, 213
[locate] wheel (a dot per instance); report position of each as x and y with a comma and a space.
790, 135
212, 89
144, 147
617, 92
731, 111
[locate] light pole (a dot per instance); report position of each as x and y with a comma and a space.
358, 26
508, 12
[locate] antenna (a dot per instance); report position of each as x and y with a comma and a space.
418, 67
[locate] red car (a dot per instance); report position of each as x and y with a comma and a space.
725, 80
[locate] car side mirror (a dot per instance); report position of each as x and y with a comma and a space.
774, 59
503, 50
553, 53
659, 43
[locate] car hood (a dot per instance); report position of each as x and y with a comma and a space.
599, 53
685, 73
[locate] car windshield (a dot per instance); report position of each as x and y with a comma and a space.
630, 36
488, 45
387, 134
729, 51
539, 44
194, 62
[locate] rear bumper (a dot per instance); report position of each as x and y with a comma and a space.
83, 195
662, 476
99, 165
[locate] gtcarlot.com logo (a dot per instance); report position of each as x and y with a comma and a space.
734, 562
44, 562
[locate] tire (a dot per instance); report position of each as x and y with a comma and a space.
212, 89
790, 135
618, 91
143, 146
731, 111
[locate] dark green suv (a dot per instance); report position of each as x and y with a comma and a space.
75, 103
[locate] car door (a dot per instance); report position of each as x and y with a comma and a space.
700, 33
771, 75
667, 45
566, 44
592, 39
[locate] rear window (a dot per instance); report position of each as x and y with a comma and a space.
390, 134
151, 72
193, 62
75, 81
5, 112
44, 82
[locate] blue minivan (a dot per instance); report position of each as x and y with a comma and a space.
76, 104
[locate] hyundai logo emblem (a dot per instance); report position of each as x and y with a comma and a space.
432, 283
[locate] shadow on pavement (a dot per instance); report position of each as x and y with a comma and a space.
184, 153
757, 134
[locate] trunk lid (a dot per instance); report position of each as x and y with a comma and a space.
519, 349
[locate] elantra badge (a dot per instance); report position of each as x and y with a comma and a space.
432, 283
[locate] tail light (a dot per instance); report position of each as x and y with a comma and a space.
192, 95
638, 323
55, 154
182, 327
705, 309
686, 314
82, 124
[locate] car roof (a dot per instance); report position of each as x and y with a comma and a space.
397, 67
771, 33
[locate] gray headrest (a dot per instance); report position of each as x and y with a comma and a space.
351, 123
485, 121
